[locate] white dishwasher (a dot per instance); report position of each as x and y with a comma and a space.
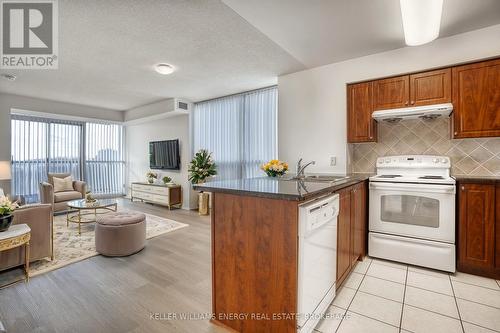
317, 260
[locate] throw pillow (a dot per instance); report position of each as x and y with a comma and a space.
63, 184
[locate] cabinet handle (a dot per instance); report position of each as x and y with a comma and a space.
406, 103
412, 102
463, 188
456, 133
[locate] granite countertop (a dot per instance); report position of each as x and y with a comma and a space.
280, 188
477, 179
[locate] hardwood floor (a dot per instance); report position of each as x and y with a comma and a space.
170, 276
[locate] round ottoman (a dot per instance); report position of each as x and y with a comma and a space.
120, 233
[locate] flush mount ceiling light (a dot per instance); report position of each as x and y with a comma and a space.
421, 20
164, 69
10, 77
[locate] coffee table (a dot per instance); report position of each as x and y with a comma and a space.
80, 211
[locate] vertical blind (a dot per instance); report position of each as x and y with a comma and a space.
240, 130
92, 152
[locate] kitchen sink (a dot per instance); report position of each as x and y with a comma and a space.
320, 178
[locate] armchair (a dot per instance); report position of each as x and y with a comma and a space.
58, 200
39, 218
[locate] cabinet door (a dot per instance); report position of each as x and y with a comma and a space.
391, 93
432, 87
476, 228
360, 125
344, 236
358, 222
476, 99
497, 228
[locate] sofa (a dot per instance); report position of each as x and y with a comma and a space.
59, 200
39, 218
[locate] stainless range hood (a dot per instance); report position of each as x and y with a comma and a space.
417, 112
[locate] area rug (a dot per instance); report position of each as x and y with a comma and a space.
69, 247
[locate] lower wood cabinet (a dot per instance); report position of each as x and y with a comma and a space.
479, 229
352, 229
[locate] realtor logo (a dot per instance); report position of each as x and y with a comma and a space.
29, 34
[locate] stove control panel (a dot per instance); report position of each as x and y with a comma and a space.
414, 161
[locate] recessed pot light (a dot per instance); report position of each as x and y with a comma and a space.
164, 69
421, 20
10, 77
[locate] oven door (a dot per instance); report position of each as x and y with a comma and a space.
425, 211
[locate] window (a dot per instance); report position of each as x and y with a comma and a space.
240, 130
92, 152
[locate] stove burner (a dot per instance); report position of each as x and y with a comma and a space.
389, 176
431, 177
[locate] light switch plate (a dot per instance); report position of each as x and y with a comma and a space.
333, 161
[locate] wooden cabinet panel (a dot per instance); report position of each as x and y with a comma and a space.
391, 93
476, 99
360, 125
344, 236
358, 222
476, 228
432, 87
497, 229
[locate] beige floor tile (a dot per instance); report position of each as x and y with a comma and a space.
355, 323
353, 280
421, 321
331, 322
471, 328
431, 301
477, 294
429, 271
429, 282
383, 288
344, 297
479, 314
389, 263
475, 280
386, 272
377, 308
362, 266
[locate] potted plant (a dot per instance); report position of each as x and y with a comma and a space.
201, 167
7, 207
166, 180
151, 176
275, 168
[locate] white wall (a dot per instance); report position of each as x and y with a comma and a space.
137, 145
312, 103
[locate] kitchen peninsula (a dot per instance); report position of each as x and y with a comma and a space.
255, 226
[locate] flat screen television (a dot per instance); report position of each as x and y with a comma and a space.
164, 155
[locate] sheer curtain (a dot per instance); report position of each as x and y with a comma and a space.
240, 130
92, 152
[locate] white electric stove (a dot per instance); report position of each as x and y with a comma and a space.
412, 211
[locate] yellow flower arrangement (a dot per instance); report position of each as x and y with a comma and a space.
275, 168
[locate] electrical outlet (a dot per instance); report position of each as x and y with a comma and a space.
333, 161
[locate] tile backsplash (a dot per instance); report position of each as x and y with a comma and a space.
479, 157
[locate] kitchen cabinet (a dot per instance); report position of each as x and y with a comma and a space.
358, 222
391, 93
352, 229
433, 87
476, 100
360, 125
478, 215
344, 236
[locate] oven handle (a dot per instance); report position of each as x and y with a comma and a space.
410, 187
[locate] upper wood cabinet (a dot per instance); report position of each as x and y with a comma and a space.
360, 125
476, 99
391, 93
429, 88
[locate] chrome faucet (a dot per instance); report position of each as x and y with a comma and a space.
301, 168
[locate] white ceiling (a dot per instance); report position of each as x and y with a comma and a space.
107, 48
318, 32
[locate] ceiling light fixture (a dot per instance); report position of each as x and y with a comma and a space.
421, 20
164, 69
10, 77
